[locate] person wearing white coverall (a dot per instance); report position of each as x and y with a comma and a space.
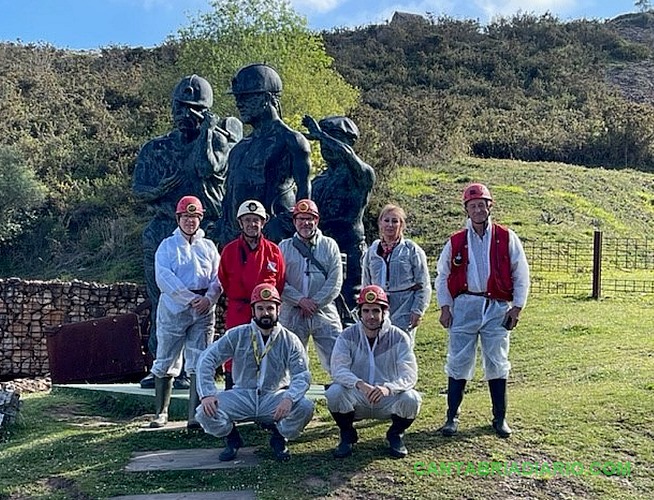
265, 354
186, 272
310, 290
399, 266
375, 372
482, 286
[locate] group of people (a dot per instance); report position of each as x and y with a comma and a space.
280, 295
210, 188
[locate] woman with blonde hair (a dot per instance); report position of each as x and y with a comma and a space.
399, 266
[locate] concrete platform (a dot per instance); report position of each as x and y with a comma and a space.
212, 495
193, 459
131, 395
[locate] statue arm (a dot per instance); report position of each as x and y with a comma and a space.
209, 153
301, 162
344, 152
147, 184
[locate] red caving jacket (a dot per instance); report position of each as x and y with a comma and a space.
240, 270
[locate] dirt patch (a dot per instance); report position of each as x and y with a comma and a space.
28, 385
57, 484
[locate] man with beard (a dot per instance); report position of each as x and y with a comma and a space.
374, 371
246, 262
265, 355
482, 286
314, 274
191, 159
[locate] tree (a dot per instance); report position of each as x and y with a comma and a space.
643, 5
22, 193
239, 32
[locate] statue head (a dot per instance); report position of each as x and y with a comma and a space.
255, 78
257, 89
341, 128
194, 90
192, 96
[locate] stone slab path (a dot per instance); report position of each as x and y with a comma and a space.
193, 459
214, 495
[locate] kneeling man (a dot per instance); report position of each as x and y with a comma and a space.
374, 371
265, 354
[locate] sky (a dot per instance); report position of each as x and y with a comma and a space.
93, 24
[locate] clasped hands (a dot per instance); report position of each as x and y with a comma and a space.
373, 393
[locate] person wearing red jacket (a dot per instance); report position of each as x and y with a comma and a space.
246, 262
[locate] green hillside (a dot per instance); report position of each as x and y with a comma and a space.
539, 200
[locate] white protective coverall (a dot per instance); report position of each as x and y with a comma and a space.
181, 267
476, 317
404, 278
304, 279
257, 390
390, 363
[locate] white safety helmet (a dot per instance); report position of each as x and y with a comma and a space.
252, 207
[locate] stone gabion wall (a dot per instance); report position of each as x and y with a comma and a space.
29, 308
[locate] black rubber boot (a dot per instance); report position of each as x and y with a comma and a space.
455, 389
147, 382
229, 381
193, 403
395, 433
278, 445
163, 388
349, 434
182, 381
233, 441
497, 389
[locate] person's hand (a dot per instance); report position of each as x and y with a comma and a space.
209, 405
283, 409
513, 315
446, 317
378, 392
373, 394
308, 307
201, 305
209, 120
312, 126
414, 320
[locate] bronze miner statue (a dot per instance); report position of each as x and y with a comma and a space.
272, 163
342, 192
191, 159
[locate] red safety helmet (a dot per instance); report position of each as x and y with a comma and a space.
373, 294
265, 291
306, 207
189, 205
476, 191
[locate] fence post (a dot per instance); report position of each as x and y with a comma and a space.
597, 264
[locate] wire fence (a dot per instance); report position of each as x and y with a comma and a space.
590, 265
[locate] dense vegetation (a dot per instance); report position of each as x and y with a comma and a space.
528, 88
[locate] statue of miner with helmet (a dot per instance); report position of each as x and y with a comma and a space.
272, 163
191, 159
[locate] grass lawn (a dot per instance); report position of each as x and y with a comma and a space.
581, 400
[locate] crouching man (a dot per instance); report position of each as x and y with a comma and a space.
374, 371
265, 354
